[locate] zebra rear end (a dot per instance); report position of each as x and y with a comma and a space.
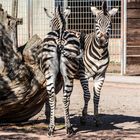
58, 56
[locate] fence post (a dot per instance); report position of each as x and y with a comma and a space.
15, 8
15, 15
123, 36
30, 19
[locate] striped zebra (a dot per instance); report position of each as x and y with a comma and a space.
55, 22
58, 55
96, 57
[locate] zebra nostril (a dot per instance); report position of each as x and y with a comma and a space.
101, 41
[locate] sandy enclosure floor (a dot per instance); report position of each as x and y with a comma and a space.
119, 109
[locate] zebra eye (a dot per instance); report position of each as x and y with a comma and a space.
107, 33
96, 22
110, 26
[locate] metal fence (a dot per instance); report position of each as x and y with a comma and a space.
81, 19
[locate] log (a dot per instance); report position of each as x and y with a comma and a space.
22, 84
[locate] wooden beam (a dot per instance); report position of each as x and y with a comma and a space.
133, 60
15, 8
133, 31
133, 5
15, 14
133, 36
133, 23
133, 13
134, 50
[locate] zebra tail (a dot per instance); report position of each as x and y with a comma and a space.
59, 83
82, 40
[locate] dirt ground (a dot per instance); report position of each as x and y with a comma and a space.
119, 109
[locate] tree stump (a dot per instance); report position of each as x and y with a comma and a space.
22, 84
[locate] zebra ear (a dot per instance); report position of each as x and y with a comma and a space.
113, 11
67, 12
46, 11
94, 10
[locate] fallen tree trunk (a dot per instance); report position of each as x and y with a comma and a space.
22, 84
22, 93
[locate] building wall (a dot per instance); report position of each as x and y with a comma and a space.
133, 32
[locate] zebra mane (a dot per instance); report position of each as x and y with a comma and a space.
104, 7
61, 18
46, 11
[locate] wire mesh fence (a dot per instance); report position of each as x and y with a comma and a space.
81, 19
22, 13
41, 23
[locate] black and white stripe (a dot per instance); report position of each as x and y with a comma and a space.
58, 55
57, 19
96, 58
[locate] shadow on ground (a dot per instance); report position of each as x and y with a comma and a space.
108, 130
17, 137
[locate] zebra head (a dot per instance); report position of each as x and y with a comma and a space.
103, 23
58, 18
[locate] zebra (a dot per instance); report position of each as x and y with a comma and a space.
59, 55
55, 22
95, 58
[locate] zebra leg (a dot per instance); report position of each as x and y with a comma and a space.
97, 89
68, 87
51, 93
47, 110
85, 86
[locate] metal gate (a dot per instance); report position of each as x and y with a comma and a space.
81, 19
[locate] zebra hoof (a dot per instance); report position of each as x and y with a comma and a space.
82, 120
50, 131
70, 131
